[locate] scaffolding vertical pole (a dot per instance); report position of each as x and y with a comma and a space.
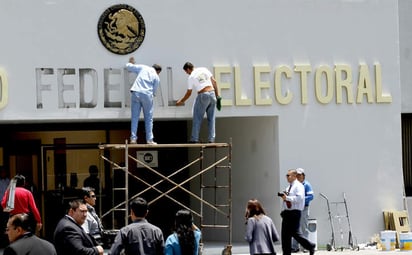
215, 189
219, 185
230, 191
201, 156
126, 181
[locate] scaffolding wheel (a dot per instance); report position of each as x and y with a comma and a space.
328, 247
227, 250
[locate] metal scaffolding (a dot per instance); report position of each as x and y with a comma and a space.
211, 201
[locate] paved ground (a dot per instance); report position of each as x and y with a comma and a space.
241, 249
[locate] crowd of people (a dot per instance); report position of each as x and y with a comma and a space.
138, 237
80, 230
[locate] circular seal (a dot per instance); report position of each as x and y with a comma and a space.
121, 29
148, 157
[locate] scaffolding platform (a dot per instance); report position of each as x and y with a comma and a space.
160, 146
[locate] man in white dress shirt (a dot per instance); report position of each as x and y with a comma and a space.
293, 204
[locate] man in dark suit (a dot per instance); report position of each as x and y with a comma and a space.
22, 240
69, 236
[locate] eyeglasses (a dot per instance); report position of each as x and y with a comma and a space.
10, 228
93, 196
287, 175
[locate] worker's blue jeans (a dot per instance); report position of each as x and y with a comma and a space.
141, 101
205, 103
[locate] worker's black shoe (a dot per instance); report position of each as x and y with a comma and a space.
312, 250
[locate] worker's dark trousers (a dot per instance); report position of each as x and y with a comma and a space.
290, 228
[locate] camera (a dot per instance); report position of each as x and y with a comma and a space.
280, 194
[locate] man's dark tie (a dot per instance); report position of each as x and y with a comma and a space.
288, 203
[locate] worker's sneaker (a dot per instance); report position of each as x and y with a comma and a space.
151, 142
133, 141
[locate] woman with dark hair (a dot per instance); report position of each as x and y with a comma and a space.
186, 238
261, 233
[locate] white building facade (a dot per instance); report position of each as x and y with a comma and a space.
312, 84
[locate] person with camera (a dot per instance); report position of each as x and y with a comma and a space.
293, 204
